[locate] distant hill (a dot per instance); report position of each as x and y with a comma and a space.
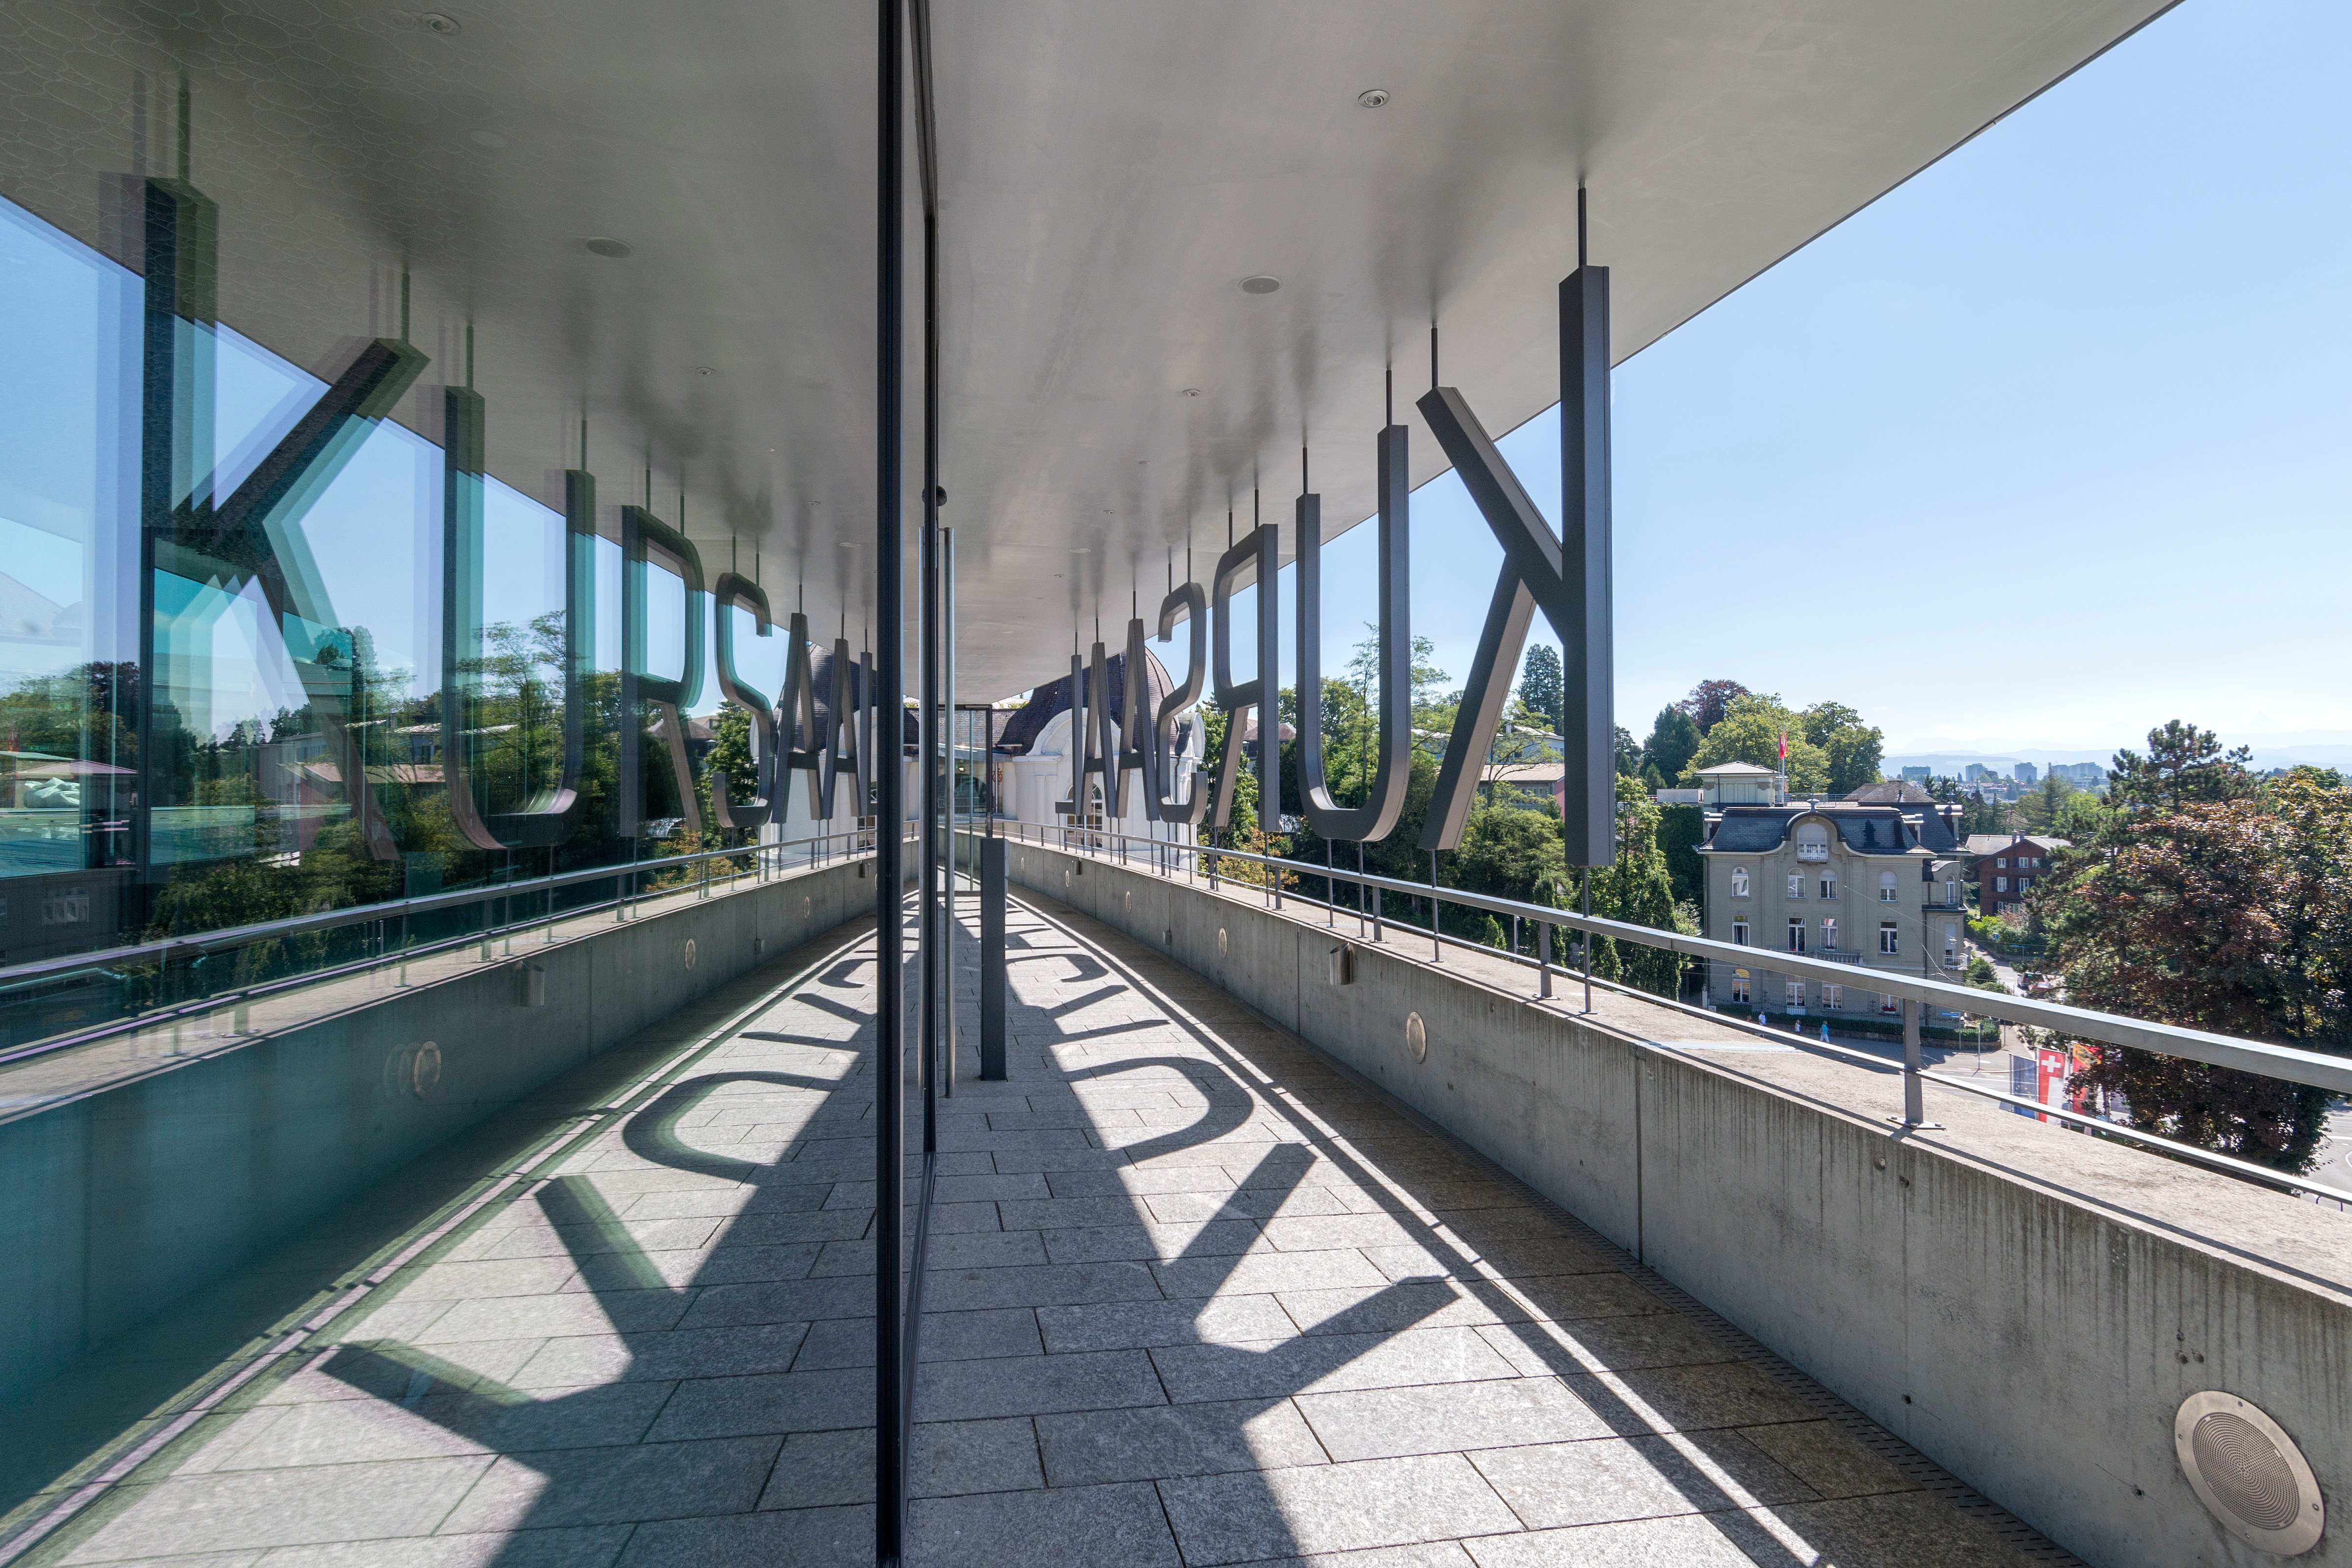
1950, 763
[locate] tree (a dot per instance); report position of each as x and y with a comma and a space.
1673, 739
2209, 900
1543, 694
1681, 830
1854, 755
1709, 700
1751, 732
1638, 888
1364, 666
1629, 753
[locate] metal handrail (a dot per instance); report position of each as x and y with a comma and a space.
629, 875
200, 943
2285, 1063
1991, 1004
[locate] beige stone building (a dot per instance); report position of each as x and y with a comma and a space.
1873, 882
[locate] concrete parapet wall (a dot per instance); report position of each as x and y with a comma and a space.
124, 1199
2026, 1306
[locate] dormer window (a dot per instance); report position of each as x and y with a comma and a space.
1740, 881
1812, 841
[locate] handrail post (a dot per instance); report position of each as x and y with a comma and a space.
1585, 940
1436, 944
1914, 1105
1543, 958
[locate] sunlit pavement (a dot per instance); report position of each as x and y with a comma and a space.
1196, 1296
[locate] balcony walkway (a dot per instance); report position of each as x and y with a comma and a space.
1196, 1297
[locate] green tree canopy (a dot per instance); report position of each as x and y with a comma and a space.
1542, 692
1673, 741
1751, 732
2219, 902
1709, 700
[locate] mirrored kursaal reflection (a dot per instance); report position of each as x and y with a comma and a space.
311, 598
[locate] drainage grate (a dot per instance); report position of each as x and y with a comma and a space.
2248, 1473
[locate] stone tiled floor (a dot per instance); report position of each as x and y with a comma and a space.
1196, 1296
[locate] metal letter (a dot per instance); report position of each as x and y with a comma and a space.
734, 589
1258, 554
797, 747
1377, 818
641, 531
1532, 577
1188, 810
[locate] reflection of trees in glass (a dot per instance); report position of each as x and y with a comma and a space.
515, 745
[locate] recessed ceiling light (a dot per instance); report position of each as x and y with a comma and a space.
439, 22
1372, 97
613, 248
1191, 392
1261, 284
705, 369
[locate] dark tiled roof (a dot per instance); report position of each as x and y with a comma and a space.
1864, 830
1891, 792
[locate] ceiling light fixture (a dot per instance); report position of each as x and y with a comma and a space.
612, 248
1261, 284
1191, 392
1372, 97
439, 22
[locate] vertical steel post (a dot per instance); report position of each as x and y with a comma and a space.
991, 958
1914, 1105
889, 1004
948, 716
1587, 719
1543, 958
1436, 944
1585, 940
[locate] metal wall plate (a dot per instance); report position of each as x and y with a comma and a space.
2248, 1473
1416, 1038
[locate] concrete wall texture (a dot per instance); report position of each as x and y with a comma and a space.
125, 1200
2032, 1328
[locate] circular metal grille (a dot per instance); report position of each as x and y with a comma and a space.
2246, 1470
1416, 1038
2248, 1473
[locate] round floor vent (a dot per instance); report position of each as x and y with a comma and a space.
2248, 1473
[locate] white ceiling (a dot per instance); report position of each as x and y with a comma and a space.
1110, 172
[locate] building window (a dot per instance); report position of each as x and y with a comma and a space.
2000, 884
2002, 863
1951, 893
1886, 886
1829, 934
1832, 997
1740, 881
1740, 932
1889, 941
1814, 841
1829, 884
1796, 933
1796, 884
1951, 945
1740, 986
1796, 993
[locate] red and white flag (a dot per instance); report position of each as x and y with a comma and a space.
1784, 745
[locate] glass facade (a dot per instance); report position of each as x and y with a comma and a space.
316, 592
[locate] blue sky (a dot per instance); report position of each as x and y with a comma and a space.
2047, 446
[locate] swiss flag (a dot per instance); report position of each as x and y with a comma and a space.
1784, 745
